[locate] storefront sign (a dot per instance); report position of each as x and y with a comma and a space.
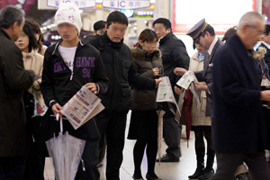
126, 4
222, 14
80, 3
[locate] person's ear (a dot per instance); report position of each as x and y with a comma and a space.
141, 43
168, 30
207, 33
245, 27
15, 26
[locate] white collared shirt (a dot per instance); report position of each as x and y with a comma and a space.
266, 44
212, 46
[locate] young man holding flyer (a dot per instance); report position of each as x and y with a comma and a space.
69, 65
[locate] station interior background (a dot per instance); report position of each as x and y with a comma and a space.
222, 14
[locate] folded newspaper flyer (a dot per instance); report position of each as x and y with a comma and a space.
165, 92
186, 80
82, 107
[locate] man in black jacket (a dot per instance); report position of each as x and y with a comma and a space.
69, 65
14, 80
174, 55
121, 72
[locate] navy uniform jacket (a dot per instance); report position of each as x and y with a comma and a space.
206, 76
237, 125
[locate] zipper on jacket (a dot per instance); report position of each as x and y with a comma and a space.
83, 165
71, 76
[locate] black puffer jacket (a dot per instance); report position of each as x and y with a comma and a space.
143, 100
121, 72
174, 55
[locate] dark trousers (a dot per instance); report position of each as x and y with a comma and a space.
102, 148
228, 162
172, 136
87, 169
35, 160
34, 167
113, 124
12, 168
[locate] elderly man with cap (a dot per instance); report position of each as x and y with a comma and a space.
204, 35
69, 65
238, 127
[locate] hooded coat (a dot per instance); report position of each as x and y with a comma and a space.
145, 99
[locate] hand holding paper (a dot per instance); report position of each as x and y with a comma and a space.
186, 79
179, 71
200, 86
83, 106
92, 87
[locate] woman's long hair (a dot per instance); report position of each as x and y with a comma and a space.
32, 39
36, 29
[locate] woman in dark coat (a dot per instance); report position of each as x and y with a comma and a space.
143, 126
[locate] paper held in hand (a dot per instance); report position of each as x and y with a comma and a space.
164, 92
83, 106
186, 80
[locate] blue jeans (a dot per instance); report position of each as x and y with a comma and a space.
12, 168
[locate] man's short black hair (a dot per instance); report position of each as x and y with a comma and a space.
210, 29
9, 15
163, 21
117, 17
99, 25
267, 29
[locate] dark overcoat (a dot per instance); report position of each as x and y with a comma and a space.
237, 125
14, 80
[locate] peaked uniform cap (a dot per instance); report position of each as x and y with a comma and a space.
196, 31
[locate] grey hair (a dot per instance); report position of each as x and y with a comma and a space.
250, 18
9, 15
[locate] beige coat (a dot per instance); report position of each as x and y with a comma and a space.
198, 117
34, 61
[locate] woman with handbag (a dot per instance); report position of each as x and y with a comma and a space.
34, 102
